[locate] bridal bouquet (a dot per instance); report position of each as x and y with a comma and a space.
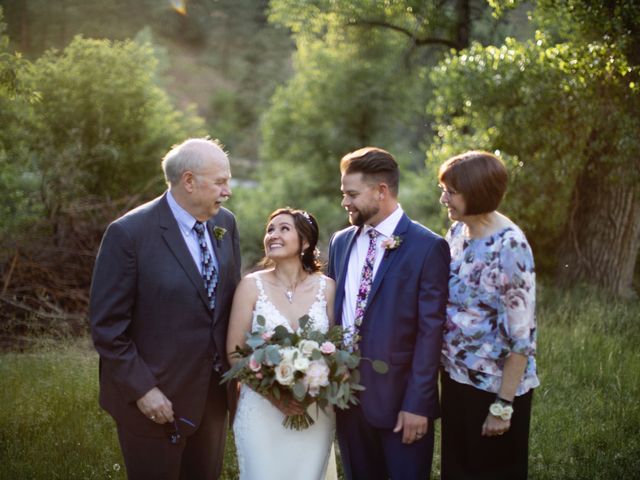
308, 366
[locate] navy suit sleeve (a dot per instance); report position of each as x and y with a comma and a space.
332, 251
421, 395
113, 293
236, 250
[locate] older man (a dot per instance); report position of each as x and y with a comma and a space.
161, 293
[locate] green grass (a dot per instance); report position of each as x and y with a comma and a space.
585, 424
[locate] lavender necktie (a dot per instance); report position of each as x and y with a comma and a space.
366, 279
209, 272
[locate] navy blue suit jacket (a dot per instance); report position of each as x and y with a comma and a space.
150, 321
403, 321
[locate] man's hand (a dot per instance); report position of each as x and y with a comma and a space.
155, 406
413, 426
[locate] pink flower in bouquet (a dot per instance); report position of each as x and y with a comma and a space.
316, 376
327, 348
254, 365
266, 336
259, 375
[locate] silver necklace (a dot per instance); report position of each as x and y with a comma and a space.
289, 292
289, 295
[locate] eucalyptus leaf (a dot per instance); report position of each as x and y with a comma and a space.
299, 390
255, 341
380, 366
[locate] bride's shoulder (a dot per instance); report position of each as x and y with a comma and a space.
328, 281
262, 275
249, 283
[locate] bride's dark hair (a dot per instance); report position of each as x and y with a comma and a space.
307, 227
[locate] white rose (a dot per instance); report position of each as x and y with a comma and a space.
284, 373
301, 363
287, 353
308, 346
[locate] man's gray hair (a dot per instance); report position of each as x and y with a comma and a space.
189, 155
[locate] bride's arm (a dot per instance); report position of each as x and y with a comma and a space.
241, 316
331, 297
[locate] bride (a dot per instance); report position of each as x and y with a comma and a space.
290, 287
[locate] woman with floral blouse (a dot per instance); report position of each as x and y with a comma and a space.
489, 369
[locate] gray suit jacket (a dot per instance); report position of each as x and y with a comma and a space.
149, 317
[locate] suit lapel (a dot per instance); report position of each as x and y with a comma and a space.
388, 258
343, 261
173, 238
219, 248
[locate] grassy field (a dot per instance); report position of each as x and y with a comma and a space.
586, 418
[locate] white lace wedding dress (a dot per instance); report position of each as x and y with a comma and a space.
266, 450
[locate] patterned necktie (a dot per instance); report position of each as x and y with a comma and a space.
366, 279
209, 272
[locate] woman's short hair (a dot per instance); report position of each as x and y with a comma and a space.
307, 227
375, 164
479, 176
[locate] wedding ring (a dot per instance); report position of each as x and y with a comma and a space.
153, 417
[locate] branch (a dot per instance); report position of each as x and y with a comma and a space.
41, 314
417, 41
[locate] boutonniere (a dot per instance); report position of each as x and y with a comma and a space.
219, 232
392, 243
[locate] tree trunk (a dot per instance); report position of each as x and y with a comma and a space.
602, 234
463, 24
25, 36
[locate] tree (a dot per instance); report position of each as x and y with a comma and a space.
102, 122
360, 78
86, 150
563, 110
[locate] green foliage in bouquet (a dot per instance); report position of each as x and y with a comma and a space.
307, 366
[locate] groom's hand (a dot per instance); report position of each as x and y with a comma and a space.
155, 406
413, 426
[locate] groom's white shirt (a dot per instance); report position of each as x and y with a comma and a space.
356, 262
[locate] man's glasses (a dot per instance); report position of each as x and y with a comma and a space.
174, 432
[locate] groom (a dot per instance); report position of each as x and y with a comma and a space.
161, 293
392, 275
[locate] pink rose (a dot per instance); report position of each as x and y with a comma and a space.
259, 375
266, 336
254, 365
327, 348
316, 376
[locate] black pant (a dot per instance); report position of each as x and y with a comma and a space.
466, 454
198, 455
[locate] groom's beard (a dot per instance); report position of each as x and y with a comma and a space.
362, 216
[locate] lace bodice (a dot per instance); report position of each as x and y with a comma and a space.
317, 311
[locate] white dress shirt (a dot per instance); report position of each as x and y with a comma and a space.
356, 263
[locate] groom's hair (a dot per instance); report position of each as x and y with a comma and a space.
375, 164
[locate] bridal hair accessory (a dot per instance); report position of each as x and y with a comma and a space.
307, 217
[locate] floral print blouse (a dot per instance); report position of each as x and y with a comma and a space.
491, 308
